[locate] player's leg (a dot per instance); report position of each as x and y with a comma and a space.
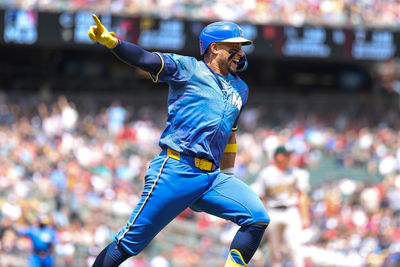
112, 255
33, 260
292, 236
170, 187
47, 261
245, 244
275, 235
232, 199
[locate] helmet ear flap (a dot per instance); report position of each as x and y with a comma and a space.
242, 64
202, 47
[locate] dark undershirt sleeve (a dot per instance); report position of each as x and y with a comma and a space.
134, 55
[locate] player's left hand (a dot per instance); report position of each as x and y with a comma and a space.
100, 34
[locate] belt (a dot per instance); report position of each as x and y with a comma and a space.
42, 253
202, 164
282, 207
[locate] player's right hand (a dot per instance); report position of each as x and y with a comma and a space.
100, 34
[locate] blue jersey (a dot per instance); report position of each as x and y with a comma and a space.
203, 107
42, 238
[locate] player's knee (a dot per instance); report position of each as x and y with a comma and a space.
257, 214
260, 227
262, 224
260, 215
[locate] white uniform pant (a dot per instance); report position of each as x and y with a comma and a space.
284, 232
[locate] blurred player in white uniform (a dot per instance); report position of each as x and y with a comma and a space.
283, 188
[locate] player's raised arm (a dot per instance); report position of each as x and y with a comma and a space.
129, 53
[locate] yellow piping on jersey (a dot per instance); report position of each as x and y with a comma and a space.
155, 79
145, 201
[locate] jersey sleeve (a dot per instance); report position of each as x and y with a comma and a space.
175, 68
27, 231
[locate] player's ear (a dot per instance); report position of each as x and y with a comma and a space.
213, 48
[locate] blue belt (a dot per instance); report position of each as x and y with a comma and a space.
202, 164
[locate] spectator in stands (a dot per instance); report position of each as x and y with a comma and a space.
43, 238
34, 164
296, 13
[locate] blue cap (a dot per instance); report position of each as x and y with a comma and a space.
221, 32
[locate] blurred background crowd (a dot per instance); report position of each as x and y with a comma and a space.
78, 129
83, 165
290, 12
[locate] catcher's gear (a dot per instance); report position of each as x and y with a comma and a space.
224, 32
100, 34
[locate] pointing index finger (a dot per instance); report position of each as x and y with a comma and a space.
96, 19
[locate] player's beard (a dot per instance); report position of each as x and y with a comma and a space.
231, 66
227, 64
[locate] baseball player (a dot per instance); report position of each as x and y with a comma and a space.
283, 189
43, 239
195, 167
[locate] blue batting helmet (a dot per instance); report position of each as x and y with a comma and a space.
221, 32
43, 219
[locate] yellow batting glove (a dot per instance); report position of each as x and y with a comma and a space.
100, 34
